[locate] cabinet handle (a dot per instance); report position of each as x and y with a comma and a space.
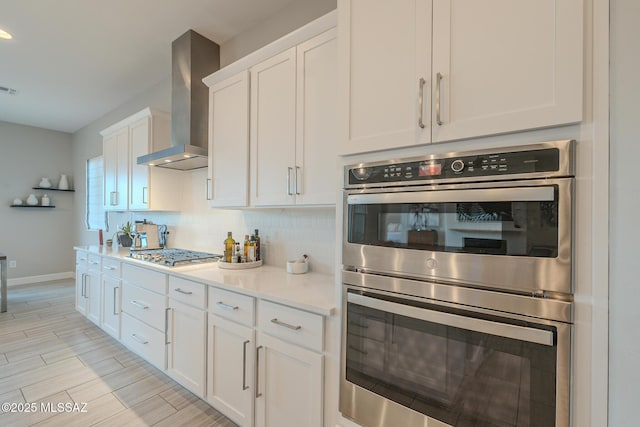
114, 198
94, 262
108, 267
227, 306
421, 84
183, 292
145, 195
286, 325
139, 305
140, 340
207, 189
84, 285
258, 394
438, 88
295, 188
244, 365
166, 325
289, 193
114, 300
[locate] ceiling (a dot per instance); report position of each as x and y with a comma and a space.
72, 61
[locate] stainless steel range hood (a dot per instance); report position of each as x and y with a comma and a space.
193, 57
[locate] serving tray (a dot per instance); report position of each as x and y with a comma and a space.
239, 266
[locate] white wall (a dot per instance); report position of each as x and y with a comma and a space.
624, 327
292, 16
38, 239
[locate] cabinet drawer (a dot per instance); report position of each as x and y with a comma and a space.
188, 292
144, 305
94, 261
111, 267
290, 324
232, 306
145, 278
144, 341
81, 258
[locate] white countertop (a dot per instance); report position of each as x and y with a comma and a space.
311, 291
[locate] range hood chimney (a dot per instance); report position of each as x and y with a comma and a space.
193, 57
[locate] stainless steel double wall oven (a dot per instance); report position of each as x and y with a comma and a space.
457, 295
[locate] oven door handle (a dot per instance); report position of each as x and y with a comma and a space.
521, 333
512, 194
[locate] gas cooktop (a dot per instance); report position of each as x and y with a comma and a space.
173, 257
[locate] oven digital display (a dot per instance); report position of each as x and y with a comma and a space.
430, 169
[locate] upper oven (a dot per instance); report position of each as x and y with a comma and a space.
498, 219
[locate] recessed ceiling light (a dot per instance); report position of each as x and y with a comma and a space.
5, 35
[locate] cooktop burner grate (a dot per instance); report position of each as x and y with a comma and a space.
173, 257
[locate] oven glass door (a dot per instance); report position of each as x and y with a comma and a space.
462, 368
517, 221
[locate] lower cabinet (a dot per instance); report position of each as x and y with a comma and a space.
145, 341
93, 295
289, 384
111, 293
186, 346
230, 359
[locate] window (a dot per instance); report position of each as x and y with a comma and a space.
96, 215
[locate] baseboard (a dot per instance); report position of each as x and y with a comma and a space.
42, 278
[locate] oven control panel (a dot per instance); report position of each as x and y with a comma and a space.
453, 167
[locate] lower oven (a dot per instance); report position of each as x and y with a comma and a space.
426, 354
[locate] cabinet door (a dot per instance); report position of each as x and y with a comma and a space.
288, 384
316, 122
116, 160
111, 306
92, 290
273, 121
230, 356
139, 145
505, 65
229, 142
186, 346
386, 49
81, 295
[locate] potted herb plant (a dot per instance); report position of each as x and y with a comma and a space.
125, 235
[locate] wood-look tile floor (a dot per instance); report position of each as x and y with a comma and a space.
50, 355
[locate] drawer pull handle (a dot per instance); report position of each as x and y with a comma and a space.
183, 292
244, 365
286, 325
139, 305
258, 394
94, 262
227, 306
108, 267
166, 326
140, 340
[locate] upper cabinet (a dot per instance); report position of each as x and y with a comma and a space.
445, 70
273, 138
129, 186
228, 180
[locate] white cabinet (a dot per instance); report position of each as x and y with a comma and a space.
115, 149
273, 130
230, 360
228, 180
186, 346
81, 282
93, 290
270, 374
452, 69
145, 313
187, 334
129, 186
288, 384
293, 120
111, 293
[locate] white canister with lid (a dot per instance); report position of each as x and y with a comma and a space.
45, 201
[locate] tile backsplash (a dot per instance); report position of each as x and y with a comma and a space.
285, 233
